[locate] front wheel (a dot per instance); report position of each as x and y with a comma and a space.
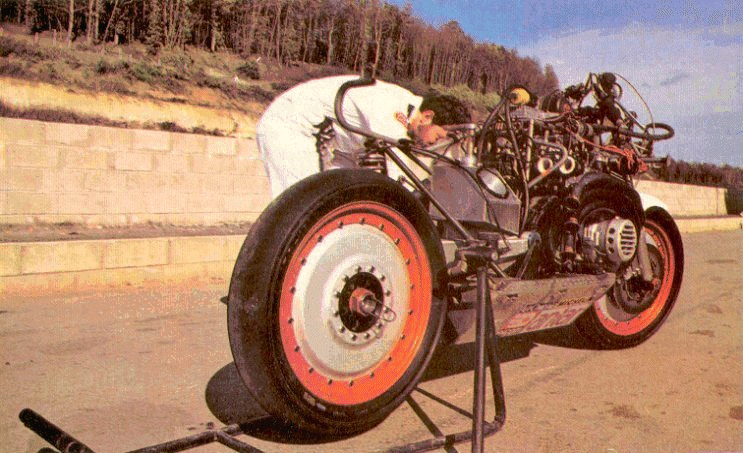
632, 310
333, 312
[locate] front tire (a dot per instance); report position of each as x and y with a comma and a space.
333, 309
607, 324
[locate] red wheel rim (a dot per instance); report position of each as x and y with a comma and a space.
626, 326
330, 361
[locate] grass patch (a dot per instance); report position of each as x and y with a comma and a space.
57, 116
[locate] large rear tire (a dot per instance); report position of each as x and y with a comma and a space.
333, 306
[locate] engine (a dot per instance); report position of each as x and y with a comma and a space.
521, 173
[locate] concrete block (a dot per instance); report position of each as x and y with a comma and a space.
62, 180
236, 203
165, 202
188, 143
105, 219
232, 246
195, 273
199, 249
248, 148
201, 203
81, 203
82, 158
241, 184
141, 181
171, 163
257, 203
25, 179
111, 138
13, 219
137, 161
45, 257
98, 181
55, 283
68, 134
10, 259
210, 164
132, 202
31, 155
3, 159
135, 253
30, 203
225, 146
216, 184
151, 140
13, 130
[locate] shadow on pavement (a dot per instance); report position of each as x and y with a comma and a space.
231, 402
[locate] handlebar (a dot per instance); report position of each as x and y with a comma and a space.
338, 107
339, 102
669, 132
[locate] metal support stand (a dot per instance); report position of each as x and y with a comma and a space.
486, 342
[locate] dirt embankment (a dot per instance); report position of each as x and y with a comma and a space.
24, 94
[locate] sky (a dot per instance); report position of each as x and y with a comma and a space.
684, 57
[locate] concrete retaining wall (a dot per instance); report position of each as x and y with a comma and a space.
72, 266
687, 200
55, 173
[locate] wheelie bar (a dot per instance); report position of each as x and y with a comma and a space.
65, 443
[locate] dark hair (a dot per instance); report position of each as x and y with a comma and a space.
446, 109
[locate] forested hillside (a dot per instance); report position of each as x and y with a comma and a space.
346, 33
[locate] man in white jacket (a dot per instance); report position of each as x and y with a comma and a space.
285, 134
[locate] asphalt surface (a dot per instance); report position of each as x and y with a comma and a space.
127, 369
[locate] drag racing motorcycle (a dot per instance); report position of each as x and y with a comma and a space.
345, 283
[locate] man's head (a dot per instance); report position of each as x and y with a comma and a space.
436, 110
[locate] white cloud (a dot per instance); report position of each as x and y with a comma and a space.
684, 75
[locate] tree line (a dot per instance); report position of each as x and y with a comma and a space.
701, 174
386, 39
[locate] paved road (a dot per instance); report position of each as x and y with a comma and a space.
130, 368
